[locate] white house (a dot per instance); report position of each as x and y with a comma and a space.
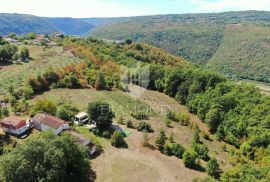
45, 122
14, 125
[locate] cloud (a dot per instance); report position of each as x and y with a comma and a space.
232, 5
74, 8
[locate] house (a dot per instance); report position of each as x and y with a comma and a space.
45, 122
81, 118
14, 125
85, 142
40, 38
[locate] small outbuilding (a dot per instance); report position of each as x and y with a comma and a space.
44, 122
85, 142
14, 125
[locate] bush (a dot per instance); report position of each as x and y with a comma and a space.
202, 150
170, 115
145, 127
196, 135
117, 139
161, 140
140, 115
167, 122
44, 106
129, 124
177, 150
213, 168
101, 113
24, 54
189, 158
66, 112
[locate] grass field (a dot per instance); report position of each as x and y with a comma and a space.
137, 163
14, 74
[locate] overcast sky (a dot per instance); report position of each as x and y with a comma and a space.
116, 8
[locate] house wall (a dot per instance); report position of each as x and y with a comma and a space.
16, 132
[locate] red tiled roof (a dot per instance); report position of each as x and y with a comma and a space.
48, 120
13, 122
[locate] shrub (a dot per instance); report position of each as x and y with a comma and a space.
117, 139
145, 127
189, 158
145, 139
140, 115
129, 124
66, 112
161, 140
24, 54
170, 115
213, 168
101, 113
167, 122
202, 150
196, 135
177, 150
44, 106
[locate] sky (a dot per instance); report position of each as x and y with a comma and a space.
123, 8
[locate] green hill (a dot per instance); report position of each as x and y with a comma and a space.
204, 39
22, 24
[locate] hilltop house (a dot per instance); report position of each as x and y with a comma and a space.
45, 122
14, 125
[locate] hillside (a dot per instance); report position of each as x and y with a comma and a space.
22, 24
204, 39
71, 26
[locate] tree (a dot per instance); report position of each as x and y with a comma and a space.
196, 135
44, 106
101, 113
46, 158
161, 140
202, 150
31, 35
7, 51
213, 118
213, 168
117, 139
129, 41
24, 54
11, 35
100, 83
145, 127
189, 158
66, 112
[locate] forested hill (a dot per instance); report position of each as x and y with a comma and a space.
235, 43
23, 24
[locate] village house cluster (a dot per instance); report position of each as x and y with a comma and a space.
20, 127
